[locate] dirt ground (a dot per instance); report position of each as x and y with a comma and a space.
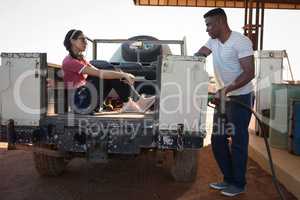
138, 178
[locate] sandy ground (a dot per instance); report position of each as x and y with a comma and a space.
138, 178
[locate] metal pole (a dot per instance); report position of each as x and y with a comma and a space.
250, 20
262, 25
94, 50
256, 26
246, 17
183, 47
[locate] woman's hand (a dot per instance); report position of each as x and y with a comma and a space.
128, 78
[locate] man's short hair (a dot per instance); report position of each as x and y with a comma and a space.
215, 12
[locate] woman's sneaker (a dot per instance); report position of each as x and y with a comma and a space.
131, 106
146, 102
232, 191
219, 186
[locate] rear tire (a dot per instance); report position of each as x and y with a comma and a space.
185, 165
49, 165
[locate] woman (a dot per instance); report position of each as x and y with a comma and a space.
76, 70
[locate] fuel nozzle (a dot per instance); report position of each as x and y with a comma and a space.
210, 98
219, 104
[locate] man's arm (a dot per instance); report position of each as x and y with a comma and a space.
203, 51
247, 64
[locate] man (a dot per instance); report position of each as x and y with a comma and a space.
234, 69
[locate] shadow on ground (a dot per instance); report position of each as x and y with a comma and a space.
138, 178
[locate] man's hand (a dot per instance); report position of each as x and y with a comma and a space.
50, 83
219, 96
203, 51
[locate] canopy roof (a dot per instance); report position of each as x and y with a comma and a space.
268, 4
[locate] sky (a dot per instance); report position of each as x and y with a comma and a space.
41, 25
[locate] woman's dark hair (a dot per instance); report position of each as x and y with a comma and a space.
72, 34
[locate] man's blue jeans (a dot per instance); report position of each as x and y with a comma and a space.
232, 159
